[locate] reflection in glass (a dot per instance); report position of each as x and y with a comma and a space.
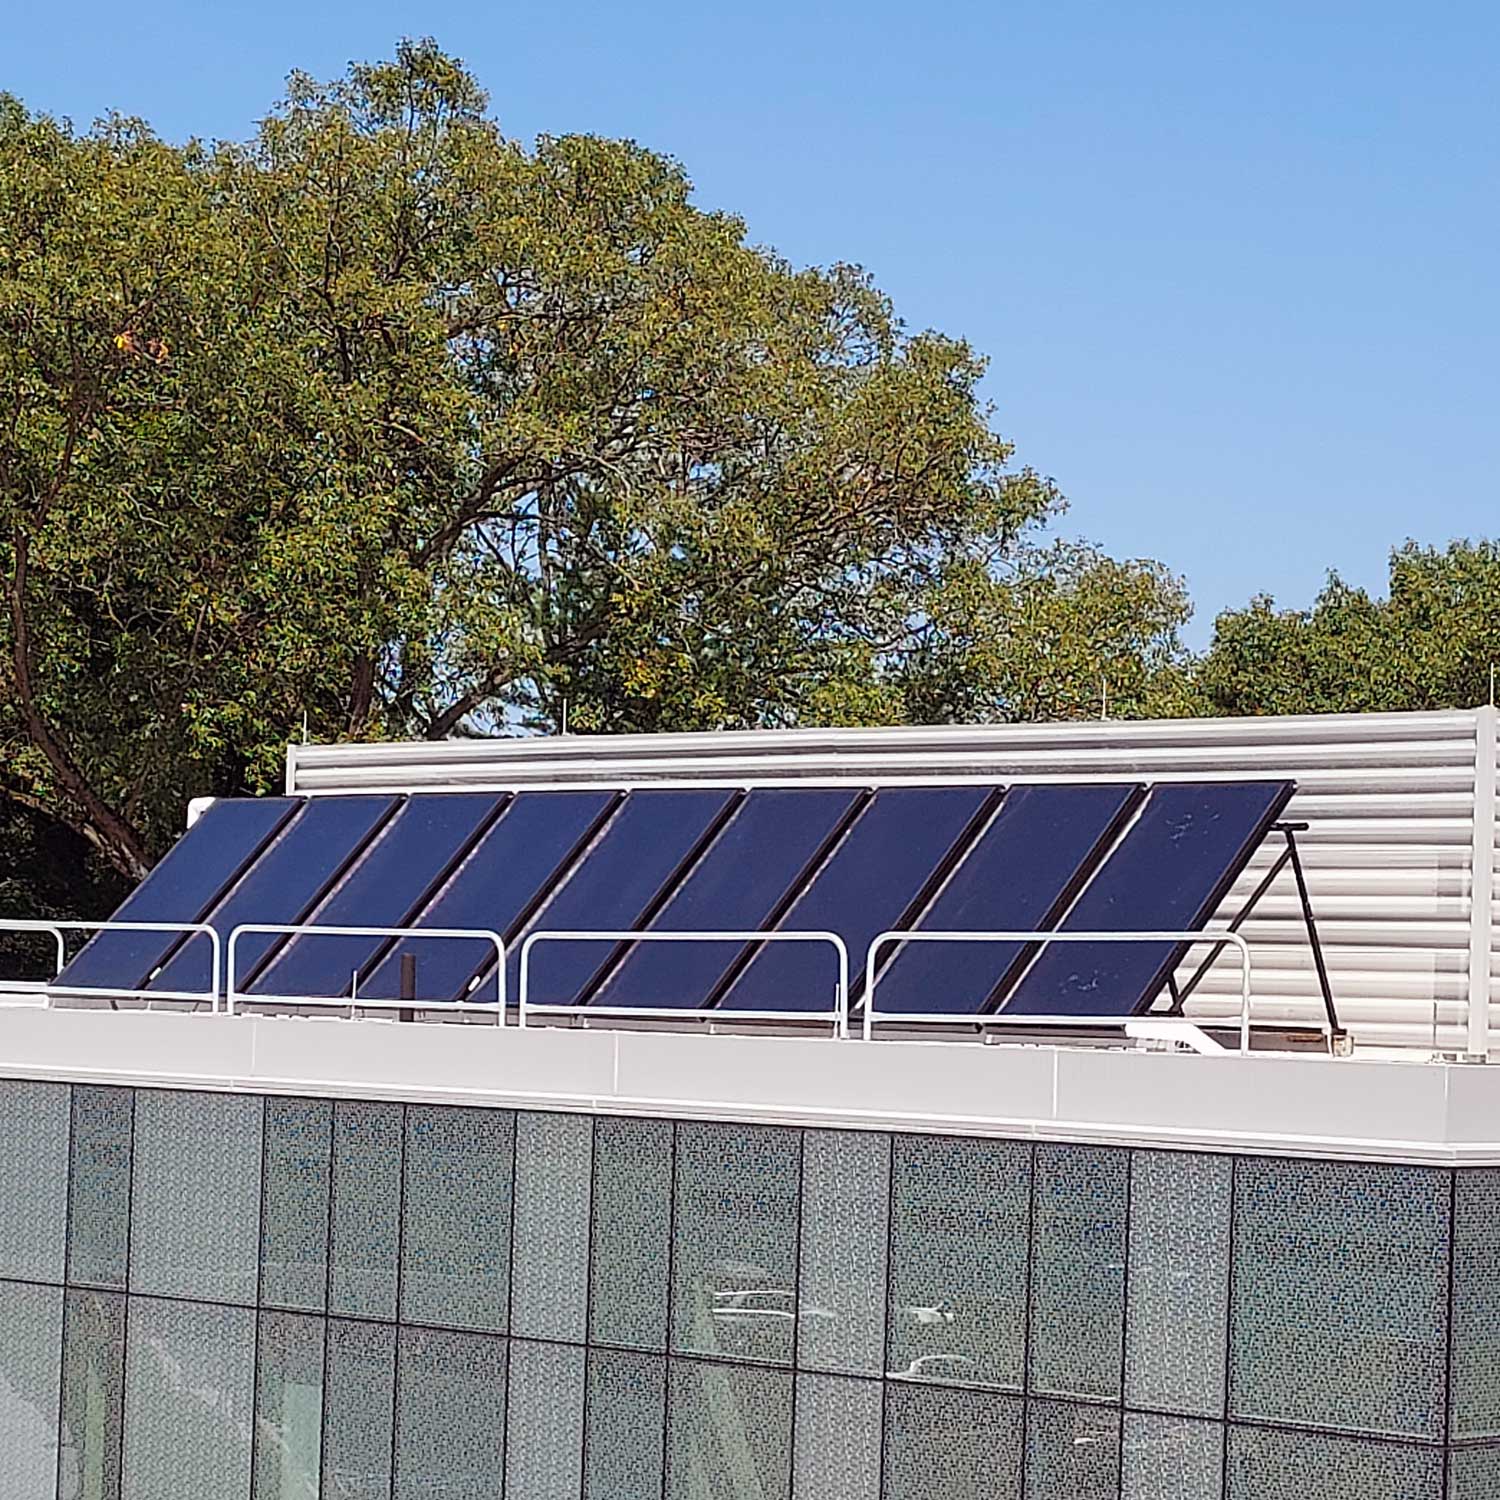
729, 1432
631, 1232
958, 1260
92, 1396
734, 1249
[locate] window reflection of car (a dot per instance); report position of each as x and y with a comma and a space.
926, 1317
938, 1367
751, 1305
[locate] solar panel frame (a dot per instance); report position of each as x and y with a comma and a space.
311, 952
840, 805
754, 985
1083, 915
380, 977
339, 849
911, 978
124, 962
591, 962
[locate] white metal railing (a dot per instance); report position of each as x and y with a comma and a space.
496, 1007
839, 1015
57, 926
999, 1018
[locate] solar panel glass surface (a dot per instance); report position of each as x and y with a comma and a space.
894, 852
182, 887
1019, 876
755, 865
1168, 874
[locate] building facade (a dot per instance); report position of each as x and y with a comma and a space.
235, 1291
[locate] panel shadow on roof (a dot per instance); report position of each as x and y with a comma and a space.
753, 868
183, 887
1019, 876
1168, 874
386, 884
895, 852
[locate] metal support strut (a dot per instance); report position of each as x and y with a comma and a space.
1288, 856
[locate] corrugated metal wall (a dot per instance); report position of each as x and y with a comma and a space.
1390, 852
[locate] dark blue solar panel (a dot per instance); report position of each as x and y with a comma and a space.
182, 887
748, 873
895, 851
500, 880
1168, 874
648, 841
284, 883
389, 881
1019, 877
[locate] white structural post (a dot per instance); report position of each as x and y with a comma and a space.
1482, 883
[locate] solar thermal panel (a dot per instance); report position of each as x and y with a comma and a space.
895, 851
388, 882
615, 885
285, 881
1019, 876
183, 886
501, 879
1168, 874
753, 868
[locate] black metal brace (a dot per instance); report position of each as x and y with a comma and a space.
1289, 855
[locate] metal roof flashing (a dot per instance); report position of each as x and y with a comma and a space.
1388, 1108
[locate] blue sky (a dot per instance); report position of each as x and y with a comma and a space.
1235, 265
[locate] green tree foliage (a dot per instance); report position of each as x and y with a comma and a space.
386, 424
1431, 644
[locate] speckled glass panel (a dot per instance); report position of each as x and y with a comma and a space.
294, 1216
99, 1186
626, 1422
734, 1250
455, 1247
1476, 1305
958, 1260
33, 1179
1072, 1450
93, 1375
288, 1406
195, 1195
945, 1444
550, 1268
836, 1441
1270, 1464
189, 1393
544, 1430
366, 1208
359, 1409
450, 1394
1172, 1458
31, 1333
631, 1236
1474, 1473
729, 1432
1340, 1293
845, 1202
1178, 1287
1078, 1270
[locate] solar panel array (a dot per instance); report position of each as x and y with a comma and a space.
848, 860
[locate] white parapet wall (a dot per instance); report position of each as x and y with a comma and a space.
1400, 850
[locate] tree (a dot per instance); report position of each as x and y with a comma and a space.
383, 424
1431, 644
